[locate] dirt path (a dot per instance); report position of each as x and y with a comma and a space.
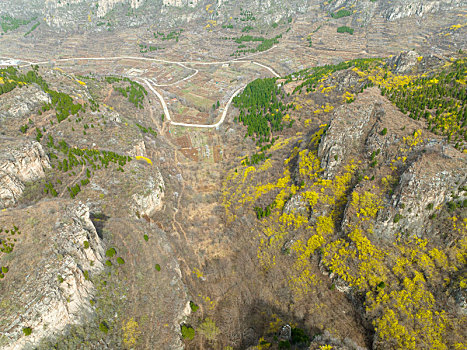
106, 99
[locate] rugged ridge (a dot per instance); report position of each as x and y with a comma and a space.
52, 289
20, 162
436, 176
398, 9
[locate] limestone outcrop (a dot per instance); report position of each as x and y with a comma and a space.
20, 162
52, 287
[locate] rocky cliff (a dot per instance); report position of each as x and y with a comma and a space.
50, 266
20, 162
24, 103
67, 15
394, 10
149, 200
435, 177
402, 9
368, 205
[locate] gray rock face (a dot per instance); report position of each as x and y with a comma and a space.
404, 62
73, 15
296, 204
344, 136
20, 162
26, 101
107, 5
10, 190
460, 297
430, 181
407, 8
82, 15
397, 9
339, 344
433, 174
150, 200
51, 288
285, 333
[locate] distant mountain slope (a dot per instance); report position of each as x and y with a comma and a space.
68, 14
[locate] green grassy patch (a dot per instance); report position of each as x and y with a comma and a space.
188, 332
110, 253
340, 14
8, 23
345, 29
27, 331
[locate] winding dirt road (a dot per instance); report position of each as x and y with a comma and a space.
167, 113
152, 84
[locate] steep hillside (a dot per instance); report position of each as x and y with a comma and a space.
228, 174
78, 247
373, 24
365, 201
